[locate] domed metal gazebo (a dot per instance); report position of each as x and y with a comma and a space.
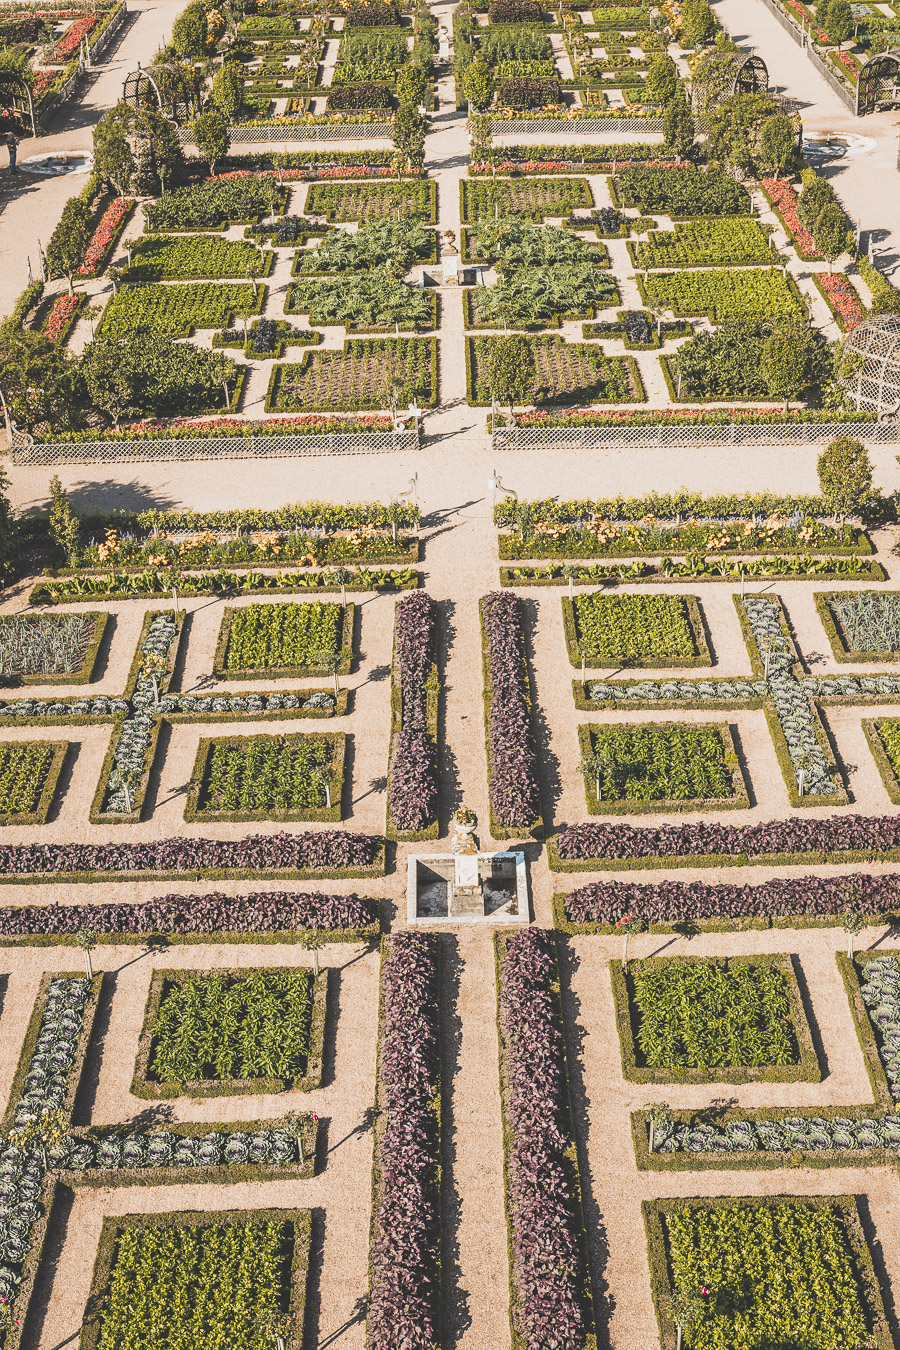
15, 98
878, 83
723, 74
166, 87
872, 379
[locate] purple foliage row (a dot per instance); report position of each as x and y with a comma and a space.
404, 1299
332, 849
672, 901
262, 912
868, 834
515, 797
413, 779
549, 1265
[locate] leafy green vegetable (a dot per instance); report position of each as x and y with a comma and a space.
272, 637
633, 627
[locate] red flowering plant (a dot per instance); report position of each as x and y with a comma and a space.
104, 236
786, 202
70, 41
61, 316
842, 299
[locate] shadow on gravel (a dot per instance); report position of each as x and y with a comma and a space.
549, 780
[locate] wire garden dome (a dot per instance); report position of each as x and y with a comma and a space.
878, 83
872, 380
166, 87
725, 73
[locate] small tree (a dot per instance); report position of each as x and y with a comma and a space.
806, 763
343, 576
189, 32
777, 143
112, 153
278, 1326
687, 1310
478, 84
678, 127
68, 242
45, 1132
330, 660
839, 20
658, 1114
845, 476
511, 370
111, 383
830, 233
662, 82
121, 778
394, 515
153, 667
852, 923
312, 940
628, 924
597, 766
481, 146
228, 90
64, 524
211, 137
698, 23
408, 136
86, 939
410, 84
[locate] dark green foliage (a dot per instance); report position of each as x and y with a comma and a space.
153, 376
210, 131
68, 242
189, 32
845, 476
41, 383
662, 82
682, 192
732, 361
511, 370
228, 90
478, 84
678, 127
777, 144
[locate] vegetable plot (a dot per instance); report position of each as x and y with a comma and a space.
189, 257
295, 777
482, 199
632, 629
681, 191
175, 311
175, 1282
751, 293
415, 686
732, 240
344, 201
361, 376
684, 765
219, 201
221, 1027
28, 775
566, 372
280, 639
710, 1012
778, 1272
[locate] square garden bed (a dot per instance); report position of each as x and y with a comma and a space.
883, 735
861, 625
263, 641
663, 631
359, 378
293, 777
200, 1278
779, 1272
567, 372
483, 198
29, 774
50, 648
225, 1033
662, 766
343, 201
687, 1019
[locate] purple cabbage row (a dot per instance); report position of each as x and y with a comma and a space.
261, 912
799, 834
413, 779
405, 1294
549, 1262
331, 849
672, 901
512, 772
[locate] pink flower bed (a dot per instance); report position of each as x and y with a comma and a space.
821, 36
69, 43
785, 199
103, 236
842, 298
64, 306
341, 171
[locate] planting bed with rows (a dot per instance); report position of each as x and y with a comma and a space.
357, 377
751, 293
686, 766
634, 630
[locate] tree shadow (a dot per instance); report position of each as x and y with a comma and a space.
575, 1036
881, 1274
104, 497
51, 1254
64, 782
803, 986
457, 1317
86, 1096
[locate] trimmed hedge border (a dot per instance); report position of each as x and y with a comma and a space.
40, 596
193, 811
114, 1226
740, 801
865, 1032
221, 672
879, 1338
805, 1070
149, 1088
584, 703
702, 657
839, 648
571, 1160
42, 810
84, 674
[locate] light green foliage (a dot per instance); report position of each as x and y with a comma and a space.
189, 32
664, 762
514, 242
633, 627
845, 476
698, 22
342, 202
537, 295
830, 231
539, 197
173, 311
372, 299
228, 90
778, 1274
187, 257
155, 375
777, 143
478, 83
682, 191
24, 766
750, 293
272, 637
68, 242
733, 239
678, 127
379, 243
662, 82
63, 521
889, 734
869, 620
711, 1013
357, 377
262, 774
210, 131
213, 1027
511, 370
514, 42
212, 1285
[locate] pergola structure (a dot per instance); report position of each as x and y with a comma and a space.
724, 74
165, 87
878, 83
16, 100
872, 353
